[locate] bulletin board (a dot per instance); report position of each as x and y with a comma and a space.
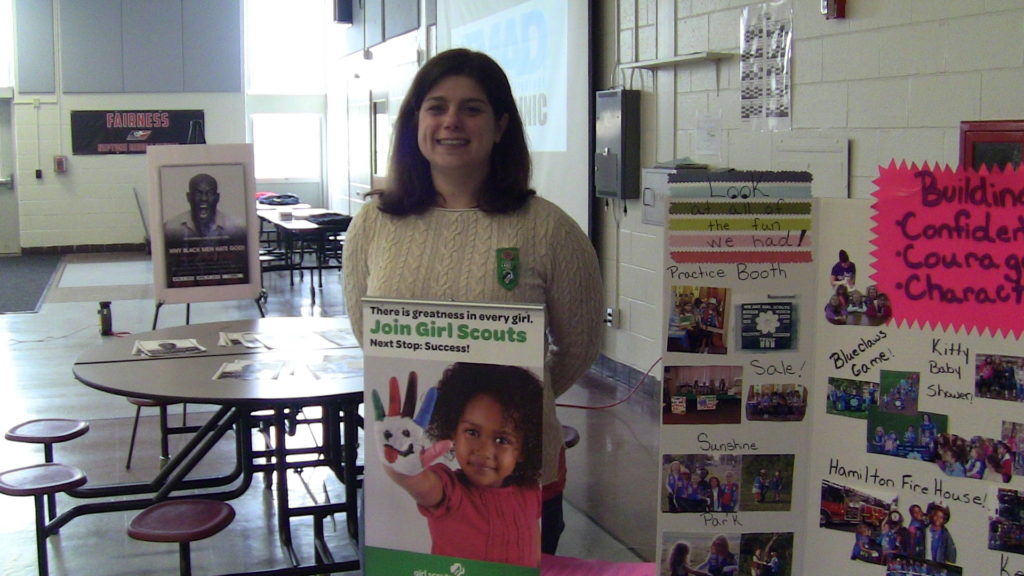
843, 378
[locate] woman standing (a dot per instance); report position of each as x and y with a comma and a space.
458, 221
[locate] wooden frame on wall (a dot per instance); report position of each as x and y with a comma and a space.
991, 143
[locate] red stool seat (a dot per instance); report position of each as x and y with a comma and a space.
570, 436
40, 479
184, 520
47, 430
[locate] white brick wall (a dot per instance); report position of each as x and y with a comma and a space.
92, 203
895, 78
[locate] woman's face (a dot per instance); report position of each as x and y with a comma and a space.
487, 446
457, 128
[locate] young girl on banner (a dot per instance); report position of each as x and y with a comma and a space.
489, 507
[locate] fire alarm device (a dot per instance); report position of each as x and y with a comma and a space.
833, 9
60, 164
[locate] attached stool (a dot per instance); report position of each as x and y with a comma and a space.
48, 431
183, 521
40, 481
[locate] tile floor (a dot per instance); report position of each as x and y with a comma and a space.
610, 512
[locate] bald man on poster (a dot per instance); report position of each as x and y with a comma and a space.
205, 246
202, 224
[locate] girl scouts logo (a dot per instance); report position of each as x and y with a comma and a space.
508, 267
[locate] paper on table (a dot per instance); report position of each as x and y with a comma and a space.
247, 339
294, 341
343, 338
249, 370
338, 366
167, 347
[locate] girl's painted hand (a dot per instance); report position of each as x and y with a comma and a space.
401, 441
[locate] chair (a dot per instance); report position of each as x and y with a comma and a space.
165, 428
48, 431
183, 521
41, 481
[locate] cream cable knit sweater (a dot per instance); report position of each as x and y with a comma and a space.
450, 255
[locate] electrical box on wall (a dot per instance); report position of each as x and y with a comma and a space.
617, 144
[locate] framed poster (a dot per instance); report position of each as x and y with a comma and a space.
203, 223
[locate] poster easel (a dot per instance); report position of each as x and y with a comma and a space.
203, 225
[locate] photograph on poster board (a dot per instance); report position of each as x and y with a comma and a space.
911, 436
999, 377
205, 232
845, 508
697, 322
902, 565
767, 326
976, 457
898, 391
702, 395
851, 398
699, 553
776, 402
766, 554
1006, 523
700, 483
1012, 433
848, 303
429, 421
921, 539
769, 478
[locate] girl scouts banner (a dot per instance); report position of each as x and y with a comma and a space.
453, 433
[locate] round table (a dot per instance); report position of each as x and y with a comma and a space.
296, 348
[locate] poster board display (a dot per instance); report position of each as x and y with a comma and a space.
878, 365
205, 233
453, 422
739, 277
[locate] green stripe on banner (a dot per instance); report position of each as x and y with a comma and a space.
707, 207
737, 225
386, 562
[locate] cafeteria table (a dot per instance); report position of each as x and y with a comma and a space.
299, 235
275, 365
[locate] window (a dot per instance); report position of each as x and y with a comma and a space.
287, 146
286, 46
6, 44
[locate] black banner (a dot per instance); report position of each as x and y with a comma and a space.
129, 132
